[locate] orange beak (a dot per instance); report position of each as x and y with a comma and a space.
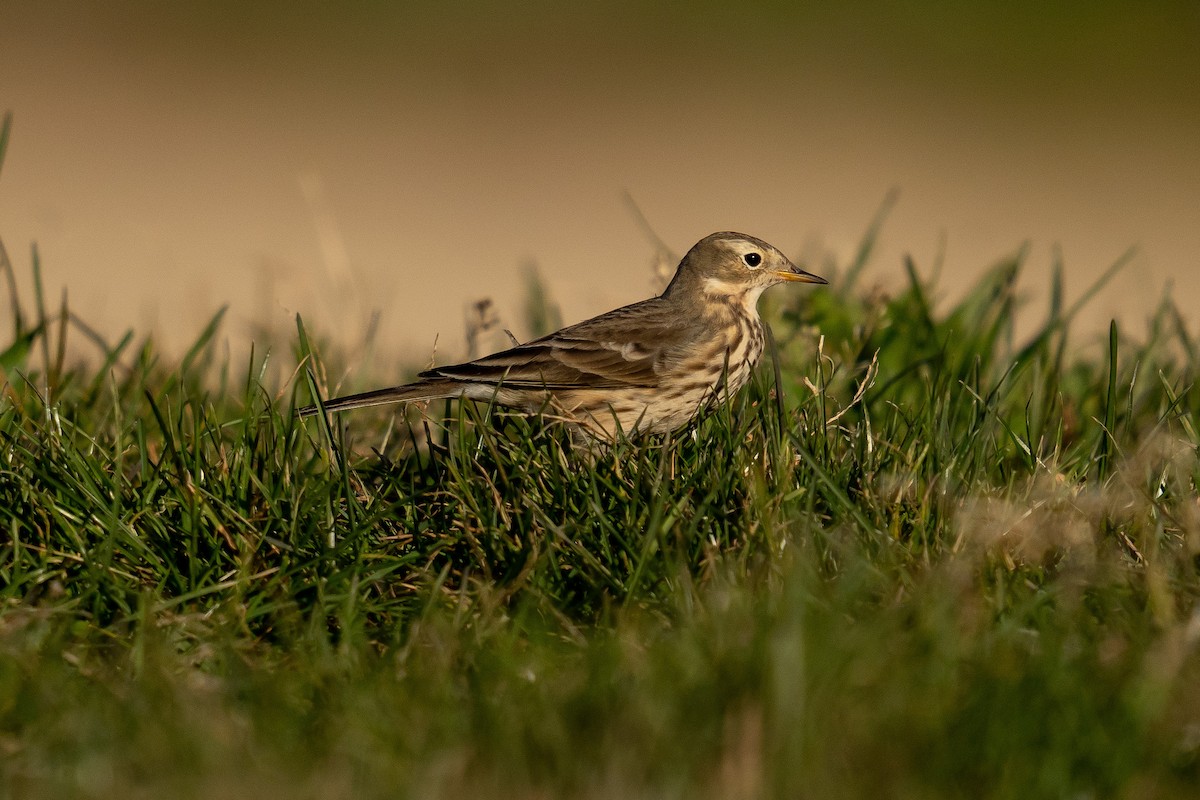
798, 275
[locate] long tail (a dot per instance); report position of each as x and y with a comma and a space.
421, 390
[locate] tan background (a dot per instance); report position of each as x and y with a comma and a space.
170, 159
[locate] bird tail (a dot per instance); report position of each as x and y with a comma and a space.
421, 390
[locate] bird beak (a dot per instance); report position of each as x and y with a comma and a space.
798, 275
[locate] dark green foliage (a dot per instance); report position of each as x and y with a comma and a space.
917, 557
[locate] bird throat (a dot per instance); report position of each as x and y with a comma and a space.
742, 297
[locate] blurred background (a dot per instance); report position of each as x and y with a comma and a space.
413, 158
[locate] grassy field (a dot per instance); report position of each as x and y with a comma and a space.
914, 559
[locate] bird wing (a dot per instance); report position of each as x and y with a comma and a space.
627, 347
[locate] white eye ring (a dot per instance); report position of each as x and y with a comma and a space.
753, 260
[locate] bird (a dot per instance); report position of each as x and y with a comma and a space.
645, 368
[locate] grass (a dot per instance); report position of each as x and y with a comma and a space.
915, 558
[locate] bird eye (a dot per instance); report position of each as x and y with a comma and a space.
752, 259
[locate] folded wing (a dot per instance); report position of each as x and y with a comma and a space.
629, 347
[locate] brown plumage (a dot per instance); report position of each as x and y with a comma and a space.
647, 367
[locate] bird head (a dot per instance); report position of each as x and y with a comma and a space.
735, 264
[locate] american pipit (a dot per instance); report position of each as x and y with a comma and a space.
647, 367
